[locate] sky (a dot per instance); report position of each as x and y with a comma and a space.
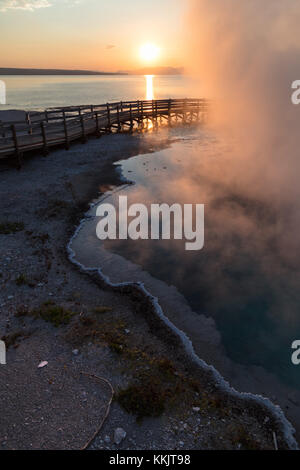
90, 34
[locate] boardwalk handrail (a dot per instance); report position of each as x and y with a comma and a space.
62, 125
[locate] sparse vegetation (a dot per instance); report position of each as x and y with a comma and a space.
11, 340
52, 313
142, 400
102, 309
7, 228
55, 314
240, 437
21, 280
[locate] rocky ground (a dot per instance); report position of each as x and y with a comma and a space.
103, 352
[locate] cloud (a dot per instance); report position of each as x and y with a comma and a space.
110, 46
29, 5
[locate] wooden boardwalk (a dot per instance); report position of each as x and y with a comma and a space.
57, 126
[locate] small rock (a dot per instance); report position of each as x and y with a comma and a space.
75, 352
181, 443
9, 297
119, 435
107, 439
127, 331
42, 364
196, 408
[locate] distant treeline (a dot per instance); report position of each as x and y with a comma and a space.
144, 71
17, 71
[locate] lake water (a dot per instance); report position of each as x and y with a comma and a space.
39, 92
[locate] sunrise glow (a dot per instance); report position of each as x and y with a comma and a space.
149, 52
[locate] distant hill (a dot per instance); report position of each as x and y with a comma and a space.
17, 71
158, 71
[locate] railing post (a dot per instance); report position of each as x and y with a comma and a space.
28, 120
169, 112
45, 148
66, 131
97, 125
82, 129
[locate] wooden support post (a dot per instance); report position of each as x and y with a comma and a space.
66, 131
2, 129
46, 115
156, 115
108, 118
130, 113
142, 114
83, 129
169, 112
118, 118
184, 111
138, 112
45, 148
198, 110
16, 143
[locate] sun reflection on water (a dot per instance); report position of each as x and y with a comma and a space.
149, 87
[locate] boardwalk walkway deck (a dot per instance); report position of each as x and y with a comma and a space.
56, 126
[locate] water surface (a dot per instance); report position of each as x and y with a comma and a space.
39, 92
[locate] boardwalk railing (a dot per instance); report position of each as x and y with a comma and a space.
55, 126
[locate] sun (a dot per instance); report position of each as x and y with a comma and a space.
149, 52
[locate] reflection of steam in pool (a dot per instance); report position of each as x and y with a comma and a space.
243, 278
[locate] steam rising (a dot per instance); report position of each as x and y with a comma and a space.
247, 54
